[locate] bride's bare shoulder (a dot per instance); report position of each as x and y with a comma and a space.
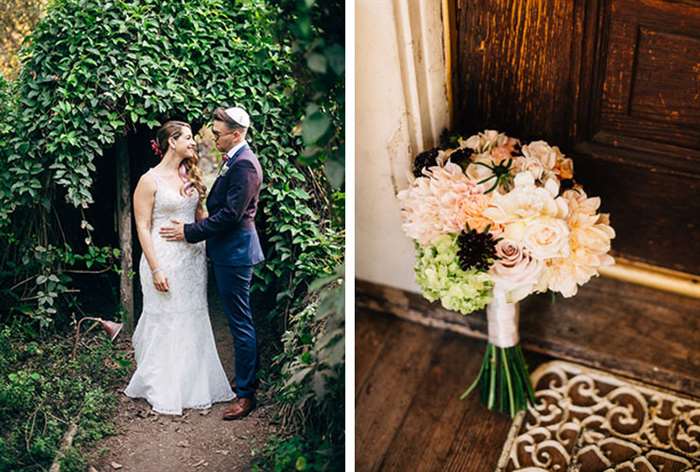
147, 184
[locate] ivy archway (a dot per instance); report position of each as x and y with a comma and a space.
98, 73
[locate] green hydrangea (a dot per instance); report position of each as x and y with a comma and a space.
441, 278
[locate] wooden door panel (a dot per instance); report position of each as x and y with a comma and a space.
615, 83
654, 213
513, 67
651, 88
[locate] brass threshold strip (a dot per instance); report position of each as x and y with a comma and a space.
652, 276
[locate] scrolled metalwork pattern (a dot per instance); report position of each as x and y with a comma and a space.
592, 421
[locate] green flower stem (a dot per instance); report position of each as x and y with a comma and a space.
506, 369
492, 379
504, 381
471, 388
530, 389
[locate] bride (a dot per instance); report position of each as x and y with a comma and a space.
177, 363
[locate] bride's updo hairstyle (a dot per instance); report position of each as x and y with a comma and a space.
189, 170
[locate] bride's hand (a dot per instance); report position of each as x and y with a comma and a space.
160, 281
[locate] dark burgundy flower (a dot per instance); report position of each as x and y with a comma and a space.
423, 160
476, 250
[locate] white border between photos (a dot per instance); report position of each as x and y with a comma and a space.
350, 235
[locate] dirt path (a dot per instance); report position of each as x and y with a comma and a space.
199, 440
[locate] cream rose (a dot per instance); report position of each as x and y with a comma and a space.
527, 201
477, 172
487, 140
529, 164
515, 270
543, 152
547, 237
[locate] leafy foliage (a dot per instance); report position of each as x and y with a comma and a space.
318, 31
310, 388
97, 71
36, 405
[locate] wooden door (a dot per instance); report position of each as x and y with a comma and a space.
614, 83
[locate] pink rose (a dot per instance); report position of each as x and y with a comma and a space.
515, 270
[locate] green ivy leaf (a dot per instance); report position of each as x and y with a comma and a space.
314, 127
317, 63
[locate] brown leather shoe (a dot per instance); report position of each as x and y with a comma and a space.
240, 408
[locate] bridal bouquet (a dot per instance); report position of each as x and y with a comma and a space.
493, 222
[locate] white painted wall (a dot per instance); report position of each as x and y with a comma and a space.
401, 108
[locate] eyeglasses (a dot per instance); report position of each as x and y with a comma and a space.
218, 135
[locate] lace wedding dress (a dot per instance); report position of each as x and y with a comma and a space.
177, 363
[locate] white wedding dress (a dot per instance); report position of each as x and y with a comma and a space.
177, 363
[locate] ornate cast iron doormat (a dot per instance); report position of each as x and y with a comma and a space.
591, 421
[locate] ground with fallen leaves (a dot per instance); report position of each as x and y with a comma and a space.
199, 440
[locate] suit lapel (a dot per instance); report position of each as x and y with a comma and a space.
228, 164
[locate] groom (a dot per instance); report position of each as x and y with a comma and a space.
232, 244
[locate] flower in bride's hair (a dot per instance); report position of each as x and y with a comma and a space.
443, 201
155, 147
515, 270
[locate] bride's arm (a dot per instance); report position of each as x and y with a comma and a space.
144, 198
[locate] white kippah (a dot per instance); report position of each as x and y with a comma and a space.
239, 115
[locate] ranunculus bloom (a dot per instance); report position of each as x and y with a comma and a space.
444, 201
515, 270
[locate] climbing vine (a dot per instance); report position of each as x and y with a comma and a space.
96, 71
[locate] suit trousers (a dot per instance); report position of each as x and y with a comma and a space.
233, 283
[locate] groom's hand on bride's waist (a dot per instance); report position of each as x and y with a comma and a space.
174, 232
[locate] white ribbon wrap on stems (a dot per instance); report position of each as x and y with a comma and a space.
503, 319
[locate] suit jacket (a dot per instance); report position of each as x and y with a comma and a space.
230, 232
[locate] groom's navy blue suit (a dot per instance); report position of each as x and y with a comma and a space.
234, 248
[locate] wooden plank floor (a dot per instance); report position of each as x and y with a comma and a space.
627, 329
408, 379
